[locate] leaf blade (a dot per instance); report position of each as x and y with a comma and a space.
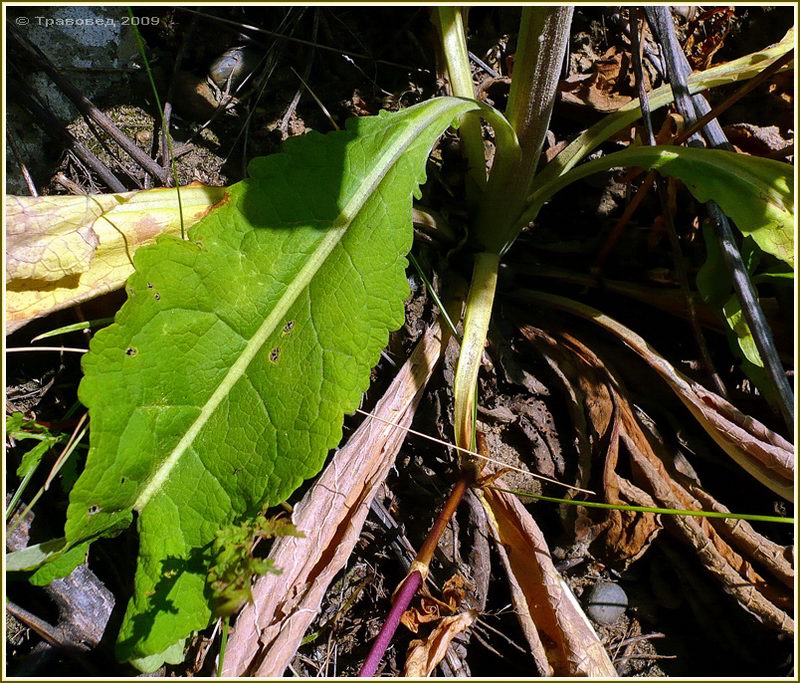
757, 193
300, 274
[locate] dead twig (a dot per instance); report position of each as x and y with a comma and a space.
666, 209
57, 130
165, 152
84, 105
50, 634
23, 169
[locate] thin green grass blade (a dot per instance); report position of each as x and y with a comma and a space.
654, 510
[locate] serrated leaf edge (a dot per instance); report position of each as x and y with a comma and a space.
334, 235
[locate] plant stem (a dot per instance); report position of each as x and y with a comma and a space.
476, 325
542, 43
410, 585
223, 643
169, 156
450, 24
654, 510
679, 261
402, 599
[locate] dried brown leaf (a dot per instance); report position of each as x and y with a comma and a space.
571, 644
736, 574
424, 655
606, 89
522, 610
331, 514
740, 533
627, 534
764, 454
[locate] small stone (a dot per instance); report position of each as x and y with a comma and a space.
605, 603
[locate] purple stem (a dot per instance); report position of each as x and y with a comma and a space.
403, 597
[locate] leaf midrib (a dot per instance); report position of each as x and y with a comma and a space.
298, 284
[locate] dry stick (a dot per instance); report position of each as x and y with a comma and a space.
66, 451
23, 169
69, 185
474, 454
711, 114
53, 637
114, 154
45, 631
691, 107
290, 110
85, 106
56, 129
268, 63
677, 255
619, 227
293, 39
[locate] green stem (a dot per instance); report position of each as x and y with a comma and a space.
164, 125
542, 43
70, 448
223, 644
654, 510
476, 325
450, 24
12, 504
541, 46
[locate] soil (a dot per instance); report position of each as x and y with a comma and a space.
679, 621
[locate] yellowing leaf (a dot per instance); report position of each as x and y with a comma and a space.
63, 250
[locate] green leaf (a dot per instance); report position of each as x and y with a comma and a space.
716, 287
14, 424
757, 194
732, 310
172, 655
735, 71
775, 277
713, 281
223, 383
31, 459
61, 566
34, 556
18, 428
